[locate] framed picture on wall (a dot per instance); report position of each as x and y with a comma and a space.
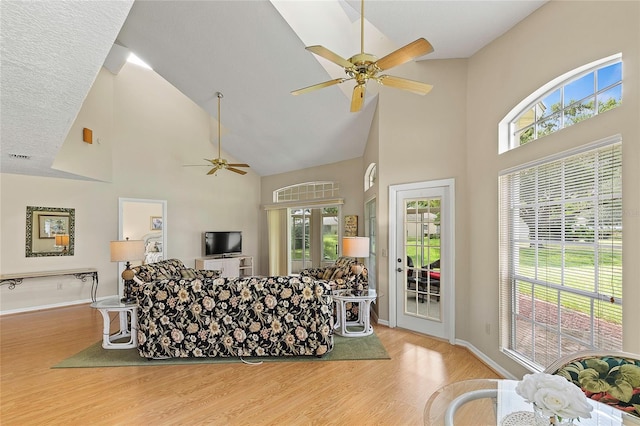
351, 226
156, 223
50, 225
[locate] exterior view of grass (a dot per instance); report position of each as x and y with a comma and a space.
423, 255
579, 273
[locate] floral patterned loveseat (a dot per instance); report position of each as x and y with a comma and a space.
234, 317
612, 378
341, 275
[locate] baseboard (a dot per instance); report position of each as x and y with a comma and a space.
484, 358
51, 306
377, 320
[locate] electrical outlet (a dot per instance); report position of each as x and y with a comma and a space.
487, 328
59, 286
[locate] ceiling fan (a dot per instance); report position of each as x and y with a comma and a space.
365, 66
219, 162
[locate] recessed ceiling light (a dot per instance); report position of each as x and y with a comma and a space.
135, 60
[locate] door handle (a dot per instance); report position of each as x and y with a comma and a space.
399, 269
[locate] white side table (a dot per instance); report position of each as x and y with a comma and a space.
363, 324
128, 316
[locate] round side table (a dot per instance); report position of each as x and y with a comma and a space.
128, 316
361, 326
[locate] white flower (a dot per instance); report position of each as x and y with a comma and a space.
554, 396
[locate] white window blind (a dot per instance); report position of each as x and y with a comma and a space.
561, 256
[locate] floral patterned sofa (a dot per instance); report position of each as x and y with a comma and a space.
340, 275
232, 317
170, 268
610, 378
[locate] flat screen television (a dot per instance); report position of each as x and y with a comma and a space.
218, 243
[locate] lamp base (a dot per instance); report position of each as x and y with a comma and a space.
127, 299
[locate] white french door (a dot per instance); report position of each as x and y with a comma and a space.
421, 260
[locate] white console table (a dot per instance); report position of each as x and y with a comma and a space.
82, 274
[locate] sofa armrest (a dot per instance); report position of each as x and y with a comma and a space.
313, 272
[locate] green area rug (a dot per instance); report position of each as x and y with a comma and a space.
345, 348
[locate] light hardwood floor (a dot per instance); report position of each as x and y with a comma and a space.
381, 392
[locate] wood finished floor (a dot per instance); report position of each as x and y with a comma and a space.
381, 392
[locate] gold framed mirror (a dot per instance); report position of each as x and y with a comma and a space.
50, 231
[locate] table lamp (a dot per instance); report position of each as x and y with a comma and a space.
62, 240
126, 251
357, 247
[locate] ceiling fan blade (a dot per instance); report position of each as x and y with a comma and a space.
405, 84
238, 165
358, 97
319, 86
241, 172
412, 50
327, 54
196, 165
212, 171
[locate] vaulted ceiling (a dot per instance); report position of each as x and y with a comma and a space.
251, 51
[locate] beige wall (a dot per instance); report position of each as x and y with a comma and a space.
452, 133
423, 138
371, 155
552, 41
154, 131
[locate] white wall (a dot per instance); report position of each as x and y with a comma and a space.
154, 131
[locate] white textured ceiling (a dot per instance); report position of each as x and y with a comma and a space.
51, 54
251, 51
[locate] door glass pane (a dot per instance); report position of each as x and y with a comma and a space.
422, 250
329, 235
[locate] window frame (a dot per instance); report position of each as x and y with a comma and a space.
509, 249
506, 128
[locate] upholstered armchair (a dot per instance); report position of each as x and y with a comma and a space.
346, 272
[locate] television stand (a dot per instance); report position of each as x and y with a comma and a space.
229, 266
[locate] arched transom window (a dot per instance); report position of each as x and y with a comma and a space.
306, 191
567, 100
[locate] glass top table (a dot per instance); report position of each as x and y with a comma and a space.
495, 402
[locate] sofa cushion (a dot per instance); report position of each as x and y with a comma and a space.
188, 273
344, 261
608, 379
165, 269
328, 273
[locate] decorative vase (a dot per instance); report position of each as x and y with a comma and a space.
539, 419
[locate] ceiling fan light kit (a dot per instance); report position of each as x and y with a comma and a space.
220, 163
363, 67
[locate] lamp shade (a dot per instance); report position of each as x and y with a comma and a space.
127, 250
355, 246
62, 240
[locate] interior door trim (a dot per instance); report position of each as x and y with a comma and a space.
450, 248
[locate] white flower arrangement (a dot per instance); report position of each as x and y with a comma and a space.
554, 396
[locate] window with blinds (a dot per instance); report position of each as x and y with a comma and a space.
561, 255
